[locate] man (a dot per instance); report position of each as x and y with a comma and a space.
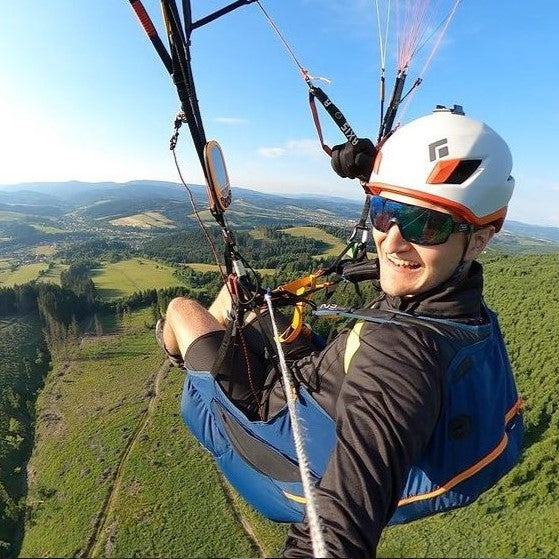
440, 188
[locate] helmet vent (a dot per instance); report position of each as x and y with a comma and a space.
463, 171
453, 171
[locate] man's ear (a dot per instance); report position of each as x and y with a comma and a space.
478, 241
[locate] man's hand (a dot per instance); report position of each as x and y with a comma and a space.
354, 161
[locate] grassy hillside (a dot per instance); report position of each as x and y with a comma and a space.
335, 245
146, 220
44, 250
14, 273
112, 280
114, 472
22, 274
123, 278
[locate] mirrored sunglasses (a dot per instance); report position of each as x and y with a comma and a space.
421, 226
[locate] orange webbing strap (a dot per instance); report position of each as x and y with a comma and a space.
316, 120
335, 113
300, 287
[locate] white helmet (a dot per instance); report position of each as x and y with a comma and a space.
450, 160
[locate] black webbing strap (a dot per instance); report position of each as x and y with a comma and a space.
151, 32
268, 337
226, 350
183, 78
220, 12
390, 116
333, 111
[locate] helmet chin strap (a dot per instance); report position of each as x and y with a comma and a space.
462, 265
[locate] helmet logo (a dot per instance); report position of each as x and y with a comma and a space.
438, 149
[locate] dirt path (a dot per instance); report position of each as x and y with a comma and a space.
11, 320
92, 549
102, 525
7, 323
249, 530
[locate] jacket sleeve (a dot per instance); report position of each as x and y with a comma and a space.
386, 410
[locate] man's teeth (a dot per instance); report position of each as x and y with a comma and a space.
402, 263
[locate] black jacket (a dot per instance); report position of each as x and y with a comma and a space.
386, 400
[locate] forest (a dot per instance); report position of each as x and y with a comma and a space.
41, 325
268, 246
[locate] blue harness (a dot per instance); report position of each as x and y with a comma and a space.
477, 440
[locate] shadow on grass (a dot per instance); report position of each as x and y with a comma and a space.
109, 323
113, 354
536, 431
109, 293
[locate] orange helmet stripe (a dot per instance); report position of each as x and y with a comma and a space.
461, 210
442, 170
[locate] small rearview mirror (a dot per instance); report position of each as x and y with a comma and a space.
219, 189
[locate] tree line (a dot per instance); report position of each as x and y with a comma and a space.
265, 247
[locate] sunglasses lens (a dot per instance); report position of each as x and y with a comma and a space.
417, 225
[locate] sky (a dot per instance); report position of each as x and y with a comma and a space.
84, 96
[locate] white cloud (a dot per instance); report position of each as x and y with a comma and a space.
230, 120
357, 14
271, 152
304, 147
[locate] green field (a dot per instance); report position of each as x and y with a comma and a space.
336, 245
114, 472
201, 267
11, 216
145, 220
48, 229
23, 274
52, 275
119, 279
28, 272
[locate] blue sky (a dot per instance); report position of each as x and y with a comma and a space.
83, 95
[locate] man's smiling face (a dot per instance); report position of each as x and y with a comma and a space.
409, 269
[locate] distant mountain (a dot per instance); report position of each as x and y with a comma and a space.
536, 231
31, 197
101, 203
111, 200
62, 190
76, 193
